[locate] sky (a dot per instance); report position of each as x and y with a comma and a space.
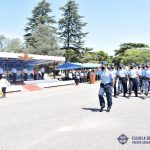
109, 22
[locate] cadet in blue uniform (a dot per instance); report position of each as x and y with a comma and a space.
140, 77
147, 77
105, 86
114, 73
122, 75
133, 80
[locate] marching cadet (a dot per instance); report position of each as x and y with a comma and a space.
143, 77
114, 73
133, 80
105, 86
122, 75
141, 80
1, 72
147, 77
140, 77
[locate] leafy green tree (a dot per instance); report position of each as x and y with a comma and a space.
102, 56
71, 28
14, 45
126, 46
85, 55
2, 41
94, 57
46, 42
40, 15
137, 56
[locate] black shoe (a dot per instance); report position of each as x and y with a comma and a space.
108, 109
115, 96
101, 109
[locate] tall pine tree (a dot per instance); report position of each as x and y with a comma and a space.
40, 16
71, 28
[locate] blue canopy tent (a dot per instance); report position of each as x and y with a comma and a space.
69, 66
72, 66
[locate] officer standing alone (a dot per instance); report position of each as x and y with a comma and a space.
105, 86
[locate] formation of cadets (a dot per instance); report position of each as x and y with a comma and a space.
132, 78
126, 78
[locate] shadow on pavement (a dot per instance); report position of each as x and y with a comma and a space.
92, 109
131, 97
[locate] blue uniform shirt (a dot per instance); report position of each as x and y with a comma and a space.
114, 73
144, 72
147, 74
140, 72
106, 77
133, 73
1, 70
122, 73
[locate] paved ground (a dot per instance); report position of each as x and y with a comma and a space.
65, 118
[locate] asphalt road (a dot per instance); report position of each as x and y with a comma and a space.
66, 118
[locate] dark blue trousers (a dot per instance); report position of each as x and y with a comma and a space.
147, 87
133, 85
14, 77
108, 90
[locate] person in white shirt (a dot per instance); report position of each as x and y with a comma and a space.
25, 74
1, 72
70, 75
14, 73
3, 84
42, 72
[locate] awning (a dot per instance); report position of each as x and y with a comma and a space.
71, 66
12, 59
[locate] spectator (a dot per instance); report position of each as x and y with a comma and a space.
14, 73
1, 72
35, 73
3, 84
25, 73
42, 72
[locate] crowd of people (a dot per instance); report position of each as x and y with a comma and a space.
25, 74
124, 79
115, 80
